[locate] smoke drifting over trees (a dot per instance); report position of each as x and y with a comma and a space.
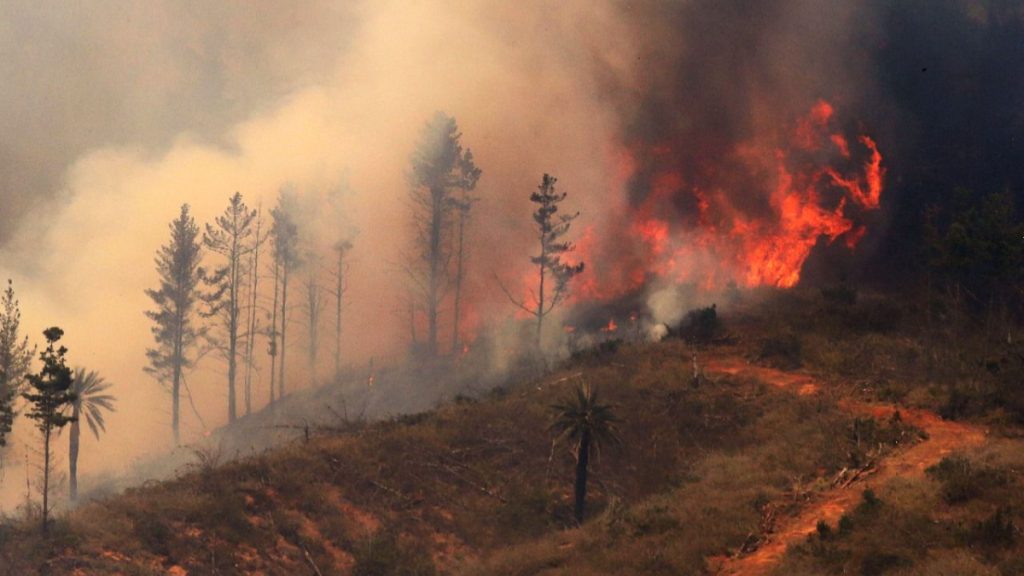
118, 115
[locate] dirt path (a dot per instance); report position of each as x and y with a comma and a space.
944, 437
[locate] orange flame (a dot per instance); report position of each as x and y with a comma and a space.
816, 191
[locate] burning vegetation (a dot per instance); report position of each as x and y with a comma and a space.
749, 217
400, 249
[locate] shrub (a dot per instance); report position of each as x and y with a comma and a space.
701, 325
839, 295
782, 350
869, 502
960, 481
824, 530
384, 555
876, 563
845, 524
152, 532
996, 531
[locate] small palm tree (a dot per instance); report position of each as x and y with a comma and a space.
583, 419
92, 400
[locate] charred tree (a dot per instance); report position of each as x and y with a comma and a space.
553, 275
177, 263
15, 358
230, 237
439, 168
49, 395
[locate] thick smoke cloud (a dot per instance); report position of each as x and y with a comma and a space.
336, 98
138, 74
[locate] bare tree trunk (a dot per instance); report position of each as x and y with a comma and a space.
434, 287
176, 389
233, 312
582, 462
250, 343
458, 280
46, 481
73, 444
273, 336
313, 304
540, 296
284, 325
339, 291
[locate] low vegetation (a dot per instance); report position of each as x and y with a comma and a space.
961, 518
474, 487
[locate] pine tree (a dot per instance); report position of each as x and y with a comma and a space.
439, 168
463, 206
551, 227
230, 237
15, 358
177, 263
285, 232
50, 394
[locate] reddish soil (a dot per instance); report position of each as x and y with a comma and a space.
943, 437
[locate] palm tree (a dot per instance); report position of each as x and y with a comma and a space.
582, 418
92, 400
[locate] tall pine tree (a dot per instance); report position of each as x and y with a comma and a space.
15, 358
440, 167
553, 275
177, 263
285, 232
230, 237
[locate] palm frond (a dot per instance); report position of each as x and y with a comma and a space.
582, 411
91, 400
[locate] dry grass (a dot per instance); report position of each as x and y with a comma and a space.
474, 486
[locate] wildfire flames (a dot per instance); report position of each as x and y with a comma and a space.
811, 182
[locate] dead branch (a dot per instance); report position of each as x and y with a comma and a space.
312, 564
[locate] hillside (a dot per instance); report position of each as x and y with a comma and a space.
750, 470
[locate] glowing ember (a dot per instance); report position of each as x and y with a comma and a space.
611, 326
